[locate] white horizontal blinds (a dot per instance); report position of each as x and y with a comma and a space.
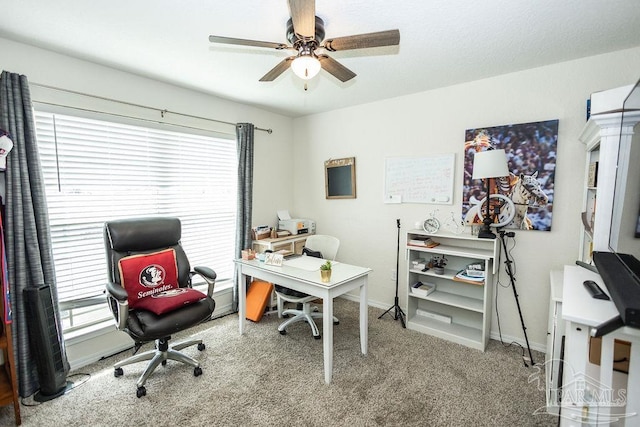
96, 171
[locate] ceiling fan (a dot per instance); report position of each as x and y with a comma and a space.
305, 33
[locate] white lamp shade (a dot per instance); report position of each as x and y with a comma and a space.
306, 67
490, 164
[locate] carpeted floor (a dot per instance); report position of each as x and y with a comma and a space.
263, 378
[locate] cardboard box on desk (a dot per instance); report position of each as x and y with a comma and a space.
621, 354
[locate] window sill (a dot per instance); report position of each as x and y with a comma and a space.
89, 332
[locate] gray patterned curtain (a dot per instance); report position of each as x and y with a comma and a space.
27, 232
244, 135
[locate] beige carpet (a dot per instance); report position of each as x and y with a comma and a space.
263, 378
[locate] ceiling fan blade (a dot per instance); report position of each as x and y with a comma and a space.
245, 42
361, 41
303, 15
278, 69
335, 68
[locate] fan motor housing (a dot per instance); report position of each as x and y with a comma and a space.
293, 39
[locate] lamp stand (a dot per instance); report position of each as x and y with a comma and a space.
485, 231
512, 278
399, 314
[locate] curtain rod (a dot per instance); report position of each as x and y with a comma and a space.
161, 111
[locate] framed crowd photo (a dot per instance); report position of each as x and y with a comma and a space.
531, 150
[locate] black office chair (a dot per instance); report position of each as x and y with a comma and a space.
145, 259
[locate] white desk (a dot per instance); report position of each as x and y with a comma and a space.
589, 391
344, 278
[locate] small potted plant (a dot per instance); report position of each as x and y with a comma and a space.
325, 271
437, 264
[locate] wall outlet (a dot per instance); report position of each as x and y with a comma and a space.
393, 275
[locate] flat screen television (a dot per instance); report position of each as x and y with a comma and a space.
620, 266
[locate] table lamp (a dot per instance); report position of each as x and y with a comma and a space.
486, 165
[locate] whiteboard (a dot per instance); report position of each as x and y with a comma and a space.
427, 179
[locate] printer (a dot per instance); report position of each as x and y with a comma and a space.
297, 225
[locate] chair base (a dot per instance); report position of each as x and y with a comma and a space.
307, 314
159, 355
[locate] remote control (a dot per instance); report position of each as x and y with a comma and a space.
594, 290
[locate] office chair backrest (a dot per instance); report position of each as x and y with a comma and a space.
327, 245
144, 235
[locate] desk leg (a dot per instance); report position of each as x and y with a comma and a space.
364, 318
242, 299
327, 332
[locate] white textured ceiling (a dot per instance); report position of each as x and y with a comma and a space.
442, 42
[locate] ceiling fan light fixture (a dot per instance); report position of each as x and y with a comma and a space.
306, 66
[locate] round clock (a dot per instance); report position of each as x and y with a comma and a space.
431, 225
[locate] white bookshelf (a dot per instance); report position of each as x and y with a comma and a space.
456, 311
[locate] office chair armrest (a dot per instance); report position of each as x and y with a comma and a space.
208, 275
116, 291
118, 303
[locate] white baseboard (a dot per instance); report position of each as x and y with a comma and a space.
493, 335
508, 339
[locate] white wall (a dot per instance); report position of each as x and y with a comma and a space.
434, 122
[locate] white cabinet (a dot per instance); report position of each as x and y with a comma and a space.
456, 311
595, 394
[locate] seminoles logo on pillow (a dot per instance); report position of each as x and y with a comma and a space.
152, 276
144, 275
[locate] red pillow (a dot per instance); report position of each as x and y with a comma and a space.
148, 274
164, 302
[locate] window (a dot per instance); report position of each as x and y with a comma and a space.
97, 170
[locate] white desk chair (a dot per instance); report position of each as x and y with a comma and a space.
327, 246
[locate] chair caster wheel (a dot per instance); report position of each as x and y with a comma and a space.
337, 322
164, 363
317, 337
201, 346
117, 372
141, 391
197, 371
283, 332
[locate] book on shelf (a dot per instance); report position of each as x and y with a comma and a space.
475, 269
462, 276
419, 263
592, 179
425, 242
